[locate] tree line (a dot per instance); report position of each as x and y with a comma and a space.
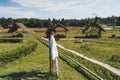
39, 23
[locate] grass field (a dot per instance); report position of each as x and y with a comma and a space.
102, 72
36, 65
102, 49
9, 46
77, 32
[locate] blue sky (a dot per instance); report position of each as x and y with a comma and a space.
68, 9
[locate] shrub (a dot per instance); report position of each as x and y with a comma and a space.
18, 53
85, 47
115, 58
18, 35
11, 40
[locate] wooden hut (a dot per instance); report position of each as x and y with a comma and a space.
18, 27
57, 27
93, 30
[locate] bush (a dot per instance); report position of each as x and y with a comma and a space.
115, 58
18, 35
85, 47
60, 36
11, 40
18, 53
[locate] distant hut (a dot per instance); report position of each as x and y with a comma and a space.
18, 27
93, 30
57, 27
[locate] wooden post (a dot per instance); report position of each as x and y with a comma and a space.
53, 59
50, 57
65, 33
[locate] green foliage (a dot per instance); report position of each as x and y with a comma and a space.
20, 35
115, 58
11, 40
85, 47
35, 23
18, 53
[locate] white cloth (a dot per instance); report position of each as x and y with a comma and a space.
53, 48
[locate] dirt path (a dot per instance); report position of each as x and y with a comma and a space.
112, 69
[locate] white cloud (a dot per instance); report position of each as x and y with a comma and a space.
61, 8
12, 11
55, 5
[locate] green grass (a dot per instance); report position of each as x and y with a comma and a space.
101, 49
33, 62
77, 31
9, 46
22, 51
102, 72
68, 73
37, 65
38, 61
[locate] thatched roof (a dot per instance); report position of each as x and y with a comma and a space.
95, 25
15, 27
60, 27
21, 25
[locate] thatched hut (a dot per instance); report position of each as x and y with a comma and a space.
93, 30
18, 27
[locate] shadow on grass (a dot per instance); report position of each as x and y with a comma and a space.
86, 37
34, 75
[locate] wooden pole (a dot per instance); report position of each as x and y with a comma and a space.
50, 57
53, 62
65, 33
